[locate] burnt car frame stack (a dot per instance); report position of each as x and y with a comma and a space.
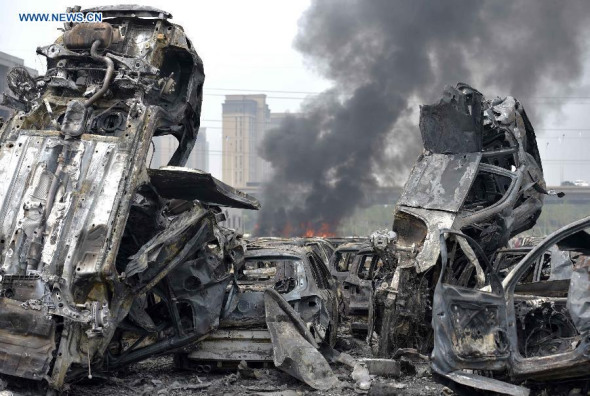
105, 262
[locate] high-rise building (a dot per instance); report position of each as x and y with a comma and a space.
245, 119
6, 63
166, 145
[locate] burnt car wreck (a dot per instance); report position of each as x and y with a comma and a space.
453, 283
480, 174
282, 309
521, 328
106, 262
103, 261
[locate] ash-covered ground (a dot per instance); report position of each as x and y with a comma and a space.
158, 376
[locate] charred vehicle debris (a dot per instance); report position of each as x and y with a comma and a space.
480, 174
533, 325
274, 282
105, 262
357, 266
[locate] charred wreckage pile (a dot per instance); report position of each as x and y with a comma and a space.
106, 262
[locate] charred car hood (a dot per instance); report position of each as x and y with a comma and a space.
193, 184
440, 181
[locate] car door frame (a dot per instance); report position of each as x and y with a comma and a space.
552, 365
563, 365
480, 348
353, 280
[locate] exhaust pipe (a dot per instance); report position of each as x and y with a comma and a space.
107, 77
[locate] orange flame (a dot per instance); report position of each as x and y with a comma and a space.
287, 230
307, 230
324, 231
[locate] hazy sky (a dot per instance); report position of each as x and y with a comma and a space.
248, 45
244, 45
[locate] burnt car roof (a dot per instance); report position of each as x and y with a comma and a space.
294, 240
317, 239
345, 239
352, 246
278, 241
129, 11
269, 240
278, 251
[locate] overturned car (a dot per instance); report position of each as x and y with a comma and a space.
103, 261
480, 173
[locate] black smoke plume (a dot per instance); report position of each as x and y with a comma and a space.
385, 57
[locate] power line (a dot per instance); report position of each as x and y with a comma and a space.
562, 129
405, 129
262, 91
268, 97
556, 97
294, 114
317, 93
557, 100
566, 160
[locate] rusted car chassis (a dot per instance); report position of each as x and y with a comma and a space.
102, 261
